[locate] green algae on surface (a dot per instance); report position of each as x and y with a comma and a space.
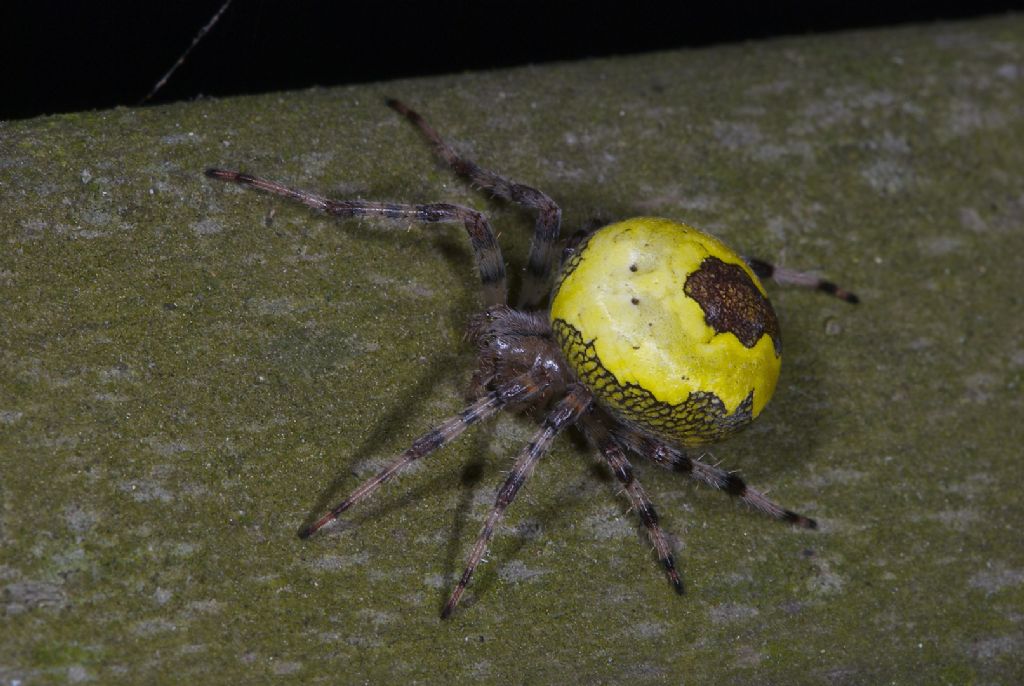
189, 372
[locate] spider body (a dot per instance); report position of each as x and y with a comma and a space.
658, 337
669, 329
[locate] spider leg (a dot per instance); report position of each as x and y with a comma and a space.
566, 412
675, 459
623, 470
791, 277
481, 236
518, 390
549, 216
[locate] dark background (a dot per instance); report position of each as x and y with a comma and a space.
68, 56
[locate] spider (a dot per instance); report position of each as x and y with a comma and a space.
658, 338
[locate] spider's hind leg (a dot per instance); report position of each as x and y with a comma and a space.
565, 413
677, 460
549, 215
791, 277
595, 429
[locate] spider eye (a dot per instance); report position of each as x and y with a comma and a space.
668, 328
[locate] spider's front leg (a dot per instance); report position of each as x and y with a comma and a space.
549, 215
520, 389
481, 236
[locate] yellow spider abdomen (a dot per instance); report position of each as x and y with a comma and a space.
668, 328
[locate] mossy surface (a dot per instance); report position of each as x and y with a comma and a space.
190, 371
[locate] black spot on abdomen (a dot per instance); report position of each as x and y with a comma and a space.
732, 302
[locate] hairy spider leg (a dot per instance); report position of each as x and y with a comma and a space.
481, 236
566, 412
549, 215
673, 458
613, 453
518, 390
791, 277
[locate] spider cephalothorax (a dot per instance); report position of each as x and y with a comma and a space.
657, 337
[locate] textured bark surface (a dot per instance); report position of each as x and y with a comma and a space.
189, 372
